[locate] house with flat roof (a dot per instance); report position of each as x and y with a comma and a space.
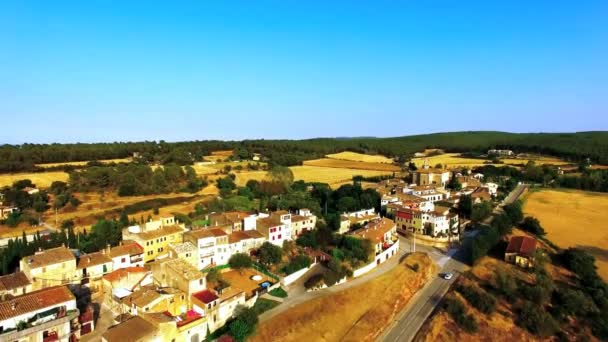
155, 236
123, 282
51, 267
302, 222
186, 251
427, 175
179, 274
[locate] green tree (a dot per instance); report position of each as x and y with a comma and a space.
240, 261
270, 254
532, 225
514, 211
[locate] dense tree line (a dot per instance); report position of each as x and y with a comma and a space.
136, 179
102, 234
570, 146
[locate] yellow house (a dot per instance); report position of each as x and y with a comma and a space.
154, 238
55, 266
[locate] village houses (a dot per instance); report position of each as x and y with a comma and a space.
55, 266
155, 236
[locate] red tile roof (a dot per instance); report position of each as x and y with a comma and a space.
123, 272
14, 280
131, 248
205, 296
522, 245
33, 301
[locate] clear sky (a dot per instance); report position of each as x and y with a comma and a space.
182, 70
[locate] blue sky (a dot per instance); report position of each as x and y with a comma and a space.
182, 70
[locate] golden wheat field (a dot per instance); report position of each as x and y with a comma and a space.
331, 175
573, 219
80, 163
360, 157
41, 179
453, 160
347, 164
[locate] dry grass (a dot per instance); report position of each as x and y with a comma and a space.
359, 157
243, 177
356, 314
453, 160
498, 326
80, 163
225, 153
331, 175
346, 164
41, 179
574, 219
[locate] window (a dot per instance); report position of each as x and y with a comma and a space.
200, 281
123, 259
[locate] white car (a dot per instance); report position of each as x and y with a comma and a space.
448, 276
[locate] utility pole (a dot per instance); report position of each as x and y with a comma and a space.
414, 239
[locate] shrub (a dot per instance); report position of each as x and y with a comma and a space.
576, 302
278, 292
297, 263
537, 321
456, 310
505, 283
313, 281
480, 299
532, 225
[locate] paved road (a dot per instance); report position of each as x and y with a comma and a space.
405, 327
409, 321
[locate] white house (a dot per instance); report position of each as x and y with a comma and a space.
50, 313
127, 254
276, 228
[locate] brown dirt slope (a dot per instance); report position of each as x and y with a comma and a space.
355, 314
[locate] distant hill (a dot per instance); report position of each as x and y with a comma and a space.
570, 146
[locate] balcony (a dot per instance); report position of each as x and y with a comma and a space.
16, 335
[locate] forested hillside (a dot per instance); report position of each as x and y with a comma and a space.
570, 146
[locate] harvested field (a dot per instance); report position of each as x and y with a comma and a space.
331, 175
347, 164
224, 153
80, 163
454, 160
243, 177
356, 314
360, 157
573, 219
41, 179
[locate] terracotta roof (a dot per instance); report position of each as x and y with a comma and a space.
217, 232
522, 245
13, 281
238, 236
49, 257
200, 233
33, 301
205, 296
482, 193
375, 230
269, 222
132, 248
123, 272
254, 234
142, 297
133, 330
93, 259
